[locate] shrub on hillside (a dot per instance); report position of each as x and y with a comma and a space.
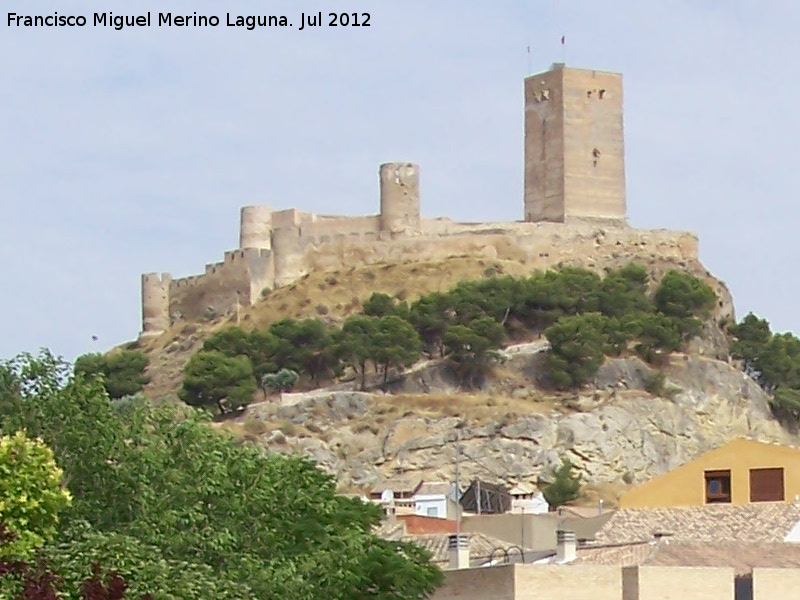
122, 371
213, 380
577, 349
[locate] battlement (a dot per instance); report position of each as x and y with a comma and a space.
574, 211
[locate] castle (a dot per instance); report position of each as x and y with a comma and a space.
574, 211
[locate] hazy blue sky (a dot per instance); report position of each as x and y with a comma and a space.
131, 151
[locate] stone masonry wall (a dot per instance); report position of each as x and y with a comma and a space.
570, 582
243, 273
247, 272
574, 213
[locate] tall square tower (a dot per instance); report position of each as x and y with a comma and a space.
574, 149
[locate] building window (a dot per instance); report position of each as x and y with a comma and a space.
766, 485
718, 487
433, 511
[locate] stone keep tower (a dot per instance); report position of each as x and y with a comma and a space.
400, 198
574, 151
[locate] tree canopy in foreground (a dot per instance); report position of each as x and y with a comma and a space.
182, 511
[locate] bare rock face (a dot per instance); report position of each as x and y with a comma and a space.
619, 433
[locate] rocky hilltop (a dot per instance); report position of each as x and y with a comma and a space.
626, 426
632, 421
616, 432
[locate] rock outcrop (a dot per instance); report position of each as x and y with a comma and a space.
615, 432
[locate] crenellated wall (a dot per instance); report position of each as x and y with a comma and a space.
574, 212
238, 279
300, 243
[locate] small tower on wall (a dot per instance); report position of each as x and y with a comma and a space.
574, 147
155, 303
399, 198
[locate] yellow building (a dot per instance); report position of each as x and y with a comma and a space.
740, 472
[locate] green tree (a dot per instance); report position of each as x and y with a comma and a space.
395, 345
431, 315
143, 567
786, 404
683, 295
212, 379
122, 371
383, 305
230, 341
258, 345
472, 349
546, 297
304, 346
282, 381
779, 363
385, 342
494, 297
658, 335
577, 349
31, 494
624, 292
565, 486
354, 344
751, 336
253, 525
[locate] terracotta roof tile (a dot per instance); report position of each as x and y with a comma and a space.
481, 547
767, 522
742, 556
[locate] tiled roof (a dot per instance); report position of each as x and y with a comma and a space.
391, 530
435, 487
767, 522
742, 556
481, 547
408, 482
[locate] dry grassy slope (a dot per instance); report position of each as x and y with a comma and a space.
332, 295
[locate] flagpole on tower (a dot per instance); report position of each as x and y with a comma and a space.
563, 50
529, 60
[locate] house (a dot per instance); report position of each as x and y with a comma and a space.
769, 522
396, 488
536, 531
742, 538
611, 582
396, 495
475, 549
483, 550
526, 498
419, 524
436, 500
485, 498
740, 472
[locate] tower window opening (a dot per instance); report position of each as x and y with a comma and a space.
602, 94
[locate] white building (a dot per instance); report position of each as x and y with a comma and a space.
438, 500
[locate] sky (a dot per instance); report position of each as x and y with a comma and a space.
131, 151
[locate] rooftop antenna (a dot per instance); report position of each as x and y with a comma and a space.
563, 49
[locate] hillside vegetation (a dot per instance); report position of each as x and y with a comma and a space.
494, 348
584, 316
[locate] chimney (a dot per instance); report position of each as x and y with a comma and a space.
565, 546
458, 545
